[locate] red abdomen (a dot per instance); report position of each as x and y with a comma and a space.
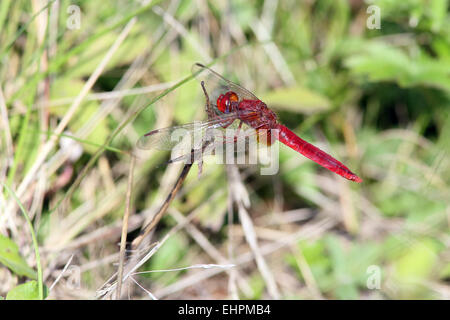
290, 139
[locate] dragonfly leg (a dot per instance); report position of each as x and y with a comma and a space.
228, 123
237, 131
209, 109
200, 168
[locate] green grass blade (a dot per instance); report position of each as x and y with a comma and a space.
34, 239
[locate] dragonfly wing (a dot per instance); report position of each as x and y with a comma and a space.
216, 84
163, 139
194, 133
194, 155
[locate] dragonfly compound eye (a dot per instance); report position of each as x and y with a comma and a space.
224, 101
233, 96
221, 103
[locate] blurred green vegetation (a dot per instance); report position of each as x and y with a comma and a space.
375, 98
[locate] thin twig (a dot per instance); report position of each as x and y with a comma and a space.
146, 291
195, 266
123, 240
61, 273
109, 95
232, 288
149, 227
303, 265
240, 196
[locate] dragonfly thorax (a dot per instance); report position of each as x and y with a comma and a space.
256, 114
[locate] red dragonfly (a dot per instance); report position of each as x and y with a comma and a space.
233, 102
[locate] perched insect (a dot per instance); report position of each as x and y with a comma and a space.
235, 104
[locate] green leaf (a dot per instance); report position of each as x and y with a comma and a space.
170, 255
317, 260
438, 14
258, 285
417, 262
11, 258
378, 61
297, 99
26, 291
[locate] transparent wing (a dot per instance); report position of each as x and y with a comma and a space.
168, 138
216, 84
235, 143
192, 141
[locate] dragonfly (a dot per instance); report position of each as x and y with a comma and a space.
229, 105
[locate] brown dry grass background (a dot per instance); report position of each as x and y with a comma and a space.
73, 103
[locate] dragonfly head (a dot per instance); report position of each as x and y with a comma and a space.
225, 101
